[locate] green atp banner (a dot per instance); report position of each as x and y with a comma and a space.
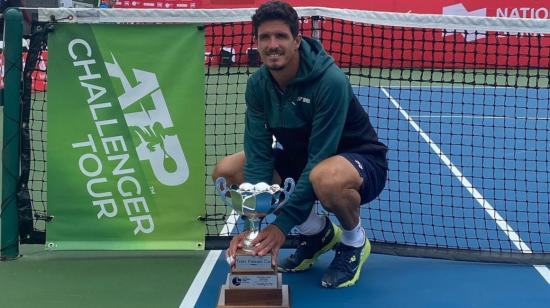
126, 137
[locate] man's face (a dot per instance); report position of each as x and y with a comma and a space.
276, 45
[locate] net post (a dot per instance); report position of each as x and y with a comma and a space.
9, 232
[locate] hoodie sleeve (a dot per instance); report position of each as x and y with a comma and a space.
257, 140
331, 105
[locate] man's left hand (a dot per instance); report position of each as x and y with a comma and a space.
270, 239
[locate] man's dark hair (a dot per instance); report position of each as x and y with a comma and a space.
276, 10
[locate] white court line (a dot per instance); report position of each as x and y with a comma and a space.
456, 86
544, 271
478, 117
489, 209
198, 283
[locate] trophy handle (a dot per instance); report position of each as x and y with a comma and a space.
222, 192
288, 189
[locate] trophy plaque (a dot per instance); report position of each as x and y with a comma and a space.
253, 281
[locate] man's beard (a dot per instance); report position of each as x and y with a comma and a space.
276, 67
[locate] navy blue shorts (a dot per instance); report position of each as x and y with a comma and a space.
374, 175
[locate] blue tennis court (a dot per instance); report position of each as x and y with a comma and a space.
468, 169
459, 153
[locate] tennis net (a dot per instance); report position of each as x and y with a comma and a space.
461, 102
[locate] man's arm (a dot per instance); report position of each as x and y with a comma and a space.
257, 140
259, 158
331, 105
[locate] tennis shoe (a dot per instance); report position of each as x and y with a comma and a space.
345, 268
310, 248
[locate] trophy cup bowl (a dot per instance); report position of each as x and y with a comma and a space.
254, 202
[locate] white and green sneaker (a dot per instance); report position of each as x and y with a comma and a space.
345, 269
311, 247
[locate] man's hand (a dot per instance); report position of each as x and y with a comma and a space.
270, 239
236, 243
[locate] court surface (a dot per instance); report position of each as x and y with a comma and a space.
193, 279
440, 122
459, 153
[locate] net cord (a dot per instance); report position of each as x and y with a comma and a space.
432, 21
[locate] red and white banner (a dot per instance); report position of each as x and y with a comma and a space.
428, 48
39, 77
501, 8
158, 4
39, 82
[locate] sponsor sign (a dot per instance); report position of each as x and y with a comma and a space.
126, 137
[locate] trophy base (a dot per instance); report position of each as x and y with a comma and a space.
246, 298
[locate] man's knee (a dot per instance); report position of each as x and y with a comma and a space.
325, 181
333, 180
230, 167
218, 171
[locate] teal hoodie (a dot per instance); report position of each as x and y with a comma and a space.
317, 116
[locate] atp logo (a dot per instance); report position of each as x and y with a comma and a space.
460, 10
153, 127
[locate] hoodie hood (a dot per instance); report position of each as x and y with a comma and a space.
314, 61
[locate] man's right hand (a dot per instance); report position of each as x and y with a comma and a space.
236, 243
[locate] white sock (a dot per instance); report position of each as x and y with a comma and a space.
354, 237
313, 224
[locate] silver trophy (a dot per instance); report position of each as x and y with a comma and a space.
254, 202
253, 279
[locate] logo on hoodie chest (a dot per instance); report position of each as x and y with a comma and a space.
301, 100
